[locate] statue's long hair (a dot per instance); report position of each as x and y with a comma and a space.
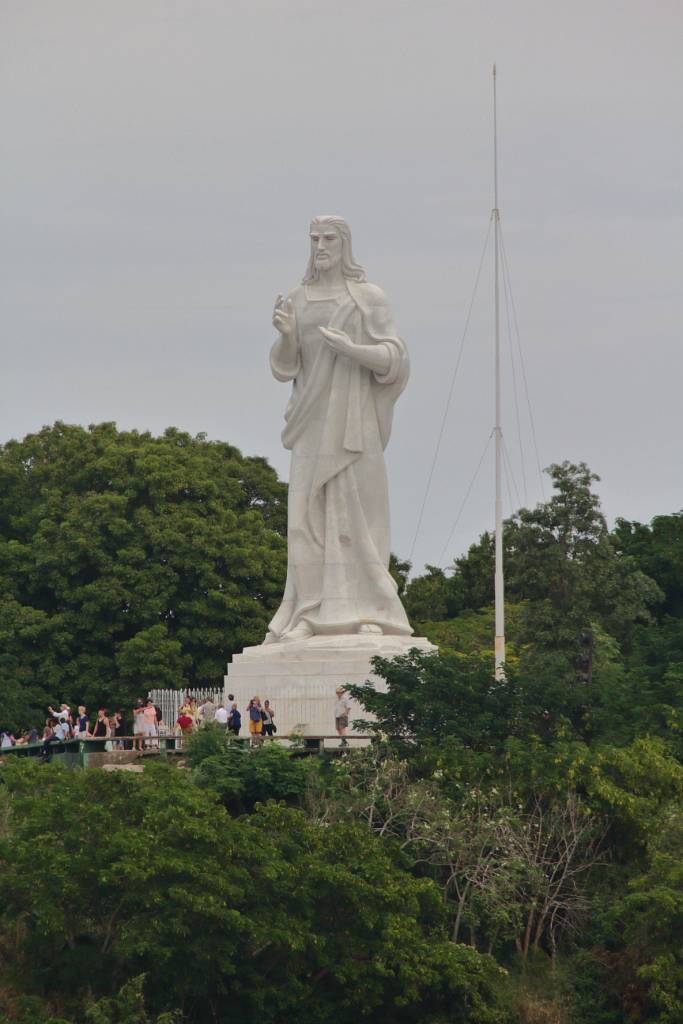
350, 268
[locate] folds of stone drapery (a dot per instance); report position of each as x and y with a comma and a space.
338, 423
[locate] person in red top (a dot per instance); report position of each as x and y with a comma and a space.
185, 722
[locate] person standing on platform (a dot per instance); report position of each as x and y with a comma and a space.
149, 717
82, 723
268, 719
255, 720
342, 710
234, 720
119, 730
185, 722
138, 724
101, 727
207, 711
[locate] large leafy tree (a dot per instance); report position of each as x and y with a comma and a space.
268, 917
564, 561
129, 561
652, 694
581, 589
657, 548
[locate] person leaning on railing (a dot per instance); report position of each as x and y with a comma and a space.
49, 736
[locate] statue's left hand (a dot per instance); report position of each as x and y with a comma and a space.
338, 341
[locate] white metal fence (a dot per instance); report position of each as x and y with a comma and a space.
171, 701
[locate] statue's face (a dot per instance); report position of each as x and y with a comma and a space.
326, 246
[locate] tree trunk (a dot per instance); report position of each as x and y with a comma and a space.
527, 933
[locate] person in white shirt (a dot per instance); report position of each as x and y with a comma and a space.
207, 711
221, 715
342, 709
63, 715
62, 729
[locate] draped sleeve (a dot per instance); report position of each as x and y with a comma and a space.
379, 329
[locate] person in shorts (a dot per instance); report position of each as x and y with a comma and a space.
149, 722
342, 709
255, 720
268, 719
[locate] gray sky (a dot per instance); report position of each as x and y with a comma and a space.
161, 160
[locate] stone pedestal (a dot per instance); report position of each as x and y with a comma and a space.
299, 678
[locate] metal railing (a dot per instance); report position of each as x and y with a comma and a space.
76, 752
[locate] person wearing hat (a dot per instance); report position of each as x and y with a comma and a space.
342, 709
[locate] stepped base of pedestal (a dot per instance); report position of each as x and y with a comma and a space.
299, 678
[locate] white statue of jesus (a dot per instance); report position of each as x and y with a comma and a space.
338, 345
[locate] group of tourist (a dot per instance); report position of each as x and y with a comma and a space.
148, 724
261, 717
62, 725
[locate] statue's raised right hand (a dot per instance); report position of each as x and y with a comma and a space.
283, 316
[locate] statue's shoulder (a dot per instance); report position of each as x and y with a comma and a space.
296, 292
371, 294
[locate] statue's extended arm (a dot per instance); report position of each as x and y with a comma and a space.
375, 357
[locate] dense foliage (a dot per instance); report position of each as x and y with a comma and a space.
505, 852
549, 805
266, 916
129, 561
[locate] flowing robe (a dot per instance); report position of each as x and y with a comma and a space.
338, 423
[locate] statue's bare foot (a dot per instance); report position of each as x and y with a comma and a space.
301, 632
370, 627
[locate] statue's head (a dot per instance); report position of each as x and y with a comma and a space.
331, 245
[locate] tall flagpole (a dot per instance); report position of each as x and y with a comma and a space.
499, 584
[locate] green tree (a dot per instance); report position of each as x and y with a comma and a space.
243, 777
563, 561
426, 596
648, 921
128, 561
431, 699
572, 578
400, 572
270, 916
658, 551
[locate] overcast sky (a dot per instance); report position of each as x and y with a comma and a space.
161, 160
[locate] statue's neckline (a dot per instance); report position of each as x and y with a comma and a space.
334, 297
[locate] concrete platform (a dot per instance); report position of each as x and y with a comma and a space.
300, 678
